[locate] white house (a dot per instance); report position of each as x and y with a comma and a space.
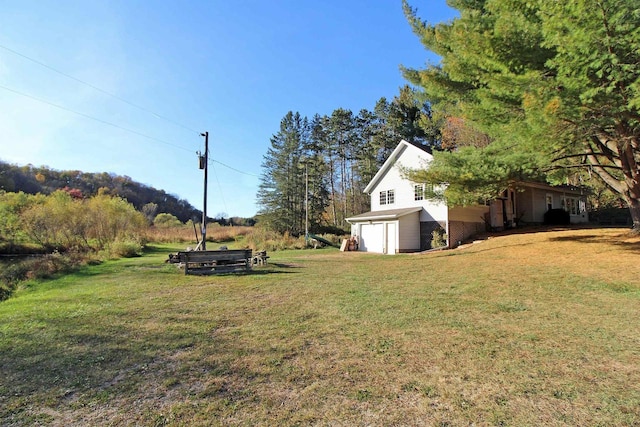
402, 220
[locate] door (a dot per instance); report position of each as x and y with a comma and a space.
372, 237
390, 247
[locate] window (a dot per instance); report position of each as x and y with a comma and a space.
573, 205
387, 197
420, 190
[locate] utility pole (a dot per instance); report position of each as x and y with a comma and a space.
204, 209
306, 203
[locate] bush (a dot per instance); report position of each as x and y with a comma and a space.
165, 220
438, 239
125, 249
41, 267
557, 217
10, 276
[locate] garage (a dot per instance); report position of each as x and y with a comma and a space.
387, 232
372, 237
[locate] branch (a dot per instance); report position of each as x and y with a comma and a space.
602, 141
585, 166
604, 175
569, 156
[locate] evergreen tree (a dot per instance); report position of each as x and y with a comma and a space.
281, 192
554, 85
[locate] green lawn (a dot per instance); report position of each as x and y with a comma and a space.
526, 329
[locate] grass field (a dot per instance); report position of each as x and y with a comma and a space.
525, 330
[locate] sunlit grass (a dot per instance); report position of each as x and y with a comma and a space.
527, 329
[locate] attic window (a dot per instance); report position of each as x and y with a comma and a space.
387, 197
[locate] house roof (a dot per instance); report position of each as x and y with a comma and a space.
383, 215
393, 157
557, 188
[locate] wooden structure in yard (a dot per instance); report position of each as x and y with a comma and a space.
212, 262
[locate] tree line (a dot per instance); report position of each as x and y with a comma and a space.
526, 91
315, 169
33, 180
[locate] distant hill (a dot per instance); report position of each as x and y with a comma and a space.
31, 179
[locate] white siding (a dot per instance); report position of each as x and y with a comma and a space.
412, 158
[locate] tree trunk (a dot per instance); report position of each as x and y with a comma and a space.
622, 154
634, 208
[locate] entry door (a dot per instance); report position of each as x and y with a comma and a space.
390, 247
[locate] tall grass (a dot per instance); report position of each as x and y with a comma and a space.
256, 238
186, 234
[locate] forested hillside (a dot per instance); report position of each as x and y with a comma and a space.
33, 180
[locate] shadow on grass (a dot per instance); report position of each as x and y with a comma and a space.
620, 241
455, 252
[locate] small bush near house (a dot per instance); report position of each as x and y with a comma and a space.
438, 239
557, 217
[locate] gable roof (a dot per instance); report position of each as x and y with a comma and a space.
383, 215
393, 157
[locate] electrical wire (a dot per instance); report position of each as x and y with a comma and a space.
224, 203
146, 110
233, 169
44, 101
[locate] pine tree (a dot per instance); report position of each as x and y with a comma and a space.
281, 192
555, 86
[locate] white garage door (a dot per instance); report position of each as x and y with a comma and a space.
372, 238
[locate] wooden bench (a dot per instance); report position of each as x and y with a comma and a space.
212, 262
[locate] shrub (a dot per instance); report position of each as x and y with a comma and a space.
10, 276
125, 249
165, 220
557, 217
438, 239
40, 267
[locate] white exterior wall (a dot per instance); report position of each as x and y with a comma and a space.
392, 179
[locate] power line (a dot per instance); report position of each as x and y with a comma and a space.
42, 64
234, 169
44, 101
224, 203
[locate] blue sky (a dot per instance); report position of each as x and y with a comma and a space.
232, 68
